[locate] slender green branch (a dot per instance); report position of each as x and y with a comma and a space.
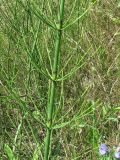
53, 82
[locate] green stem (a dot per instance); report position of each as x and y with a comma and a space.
53, 82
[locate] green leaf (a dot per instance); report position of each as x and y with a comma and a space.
9, 152
118, 4
37, 153
118, 108
36, 115
61, 125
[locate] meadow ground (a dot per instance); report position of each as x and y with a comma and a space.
86, 110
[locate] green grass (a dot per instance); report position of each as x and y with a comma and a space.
86, 107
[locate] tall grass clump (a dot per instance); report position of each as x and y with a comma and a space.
59, 79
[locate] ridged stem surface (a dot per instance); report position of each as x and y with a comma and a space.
51, 97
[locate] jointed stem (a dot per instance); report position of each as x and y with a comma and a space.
53, 82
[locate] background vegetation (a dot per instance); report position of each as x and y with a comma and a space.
87, 101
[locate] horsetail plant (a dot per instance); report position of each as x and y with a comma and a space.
54, 78
53, 81
41, 20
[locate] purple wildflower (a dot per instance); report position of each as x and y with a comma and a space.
103, 149
117, 155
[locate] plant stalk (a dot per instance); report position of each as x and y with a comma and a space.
51, 97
